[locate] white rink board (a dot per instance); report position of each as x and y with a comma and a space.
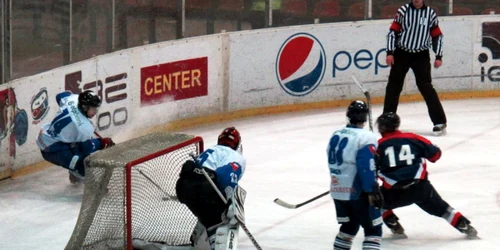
255, 76
242, 73
209, 46
25, 89
116, 78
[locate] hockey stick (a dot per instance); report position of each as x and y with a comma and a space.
167, 197
369, 102
292, 206
241, 223
368, 99
164, 198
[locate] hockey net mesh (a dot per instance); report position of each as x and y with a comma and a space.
102, 220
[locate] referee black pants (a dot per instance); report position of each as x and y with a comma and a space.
420, 64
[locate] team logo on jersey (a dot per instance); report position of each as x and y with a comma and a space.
335, 181
300, 64
372, 149
40, 105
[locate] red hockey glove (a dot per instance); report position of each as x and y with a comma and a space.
106, 142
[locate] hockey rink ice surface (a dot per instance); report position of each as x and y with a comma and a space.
286, 158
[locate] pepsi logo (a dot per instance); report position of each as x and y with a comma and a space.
300, 64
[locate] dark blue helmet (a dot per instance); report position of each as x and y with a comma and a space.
388, 122
357, 112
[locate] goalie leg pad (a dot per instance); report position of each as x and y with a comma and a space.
224, 238
199, 237
235, 211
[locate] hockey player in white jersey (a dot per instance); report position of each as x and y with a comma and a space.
354, 187
225, 165
68, 139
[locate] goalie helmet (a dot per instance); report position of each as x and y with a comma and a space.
388, 122
88, 99
230, 137
357, 112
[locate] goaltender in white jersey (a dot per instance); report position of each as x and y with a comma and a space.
225, 165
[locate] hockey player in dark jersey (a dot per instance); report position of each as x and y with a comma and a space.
401, 162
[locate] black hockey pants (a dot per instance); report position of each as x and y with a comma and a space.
422, 194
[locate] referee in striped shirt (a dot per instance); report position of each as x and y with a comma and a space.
413, 32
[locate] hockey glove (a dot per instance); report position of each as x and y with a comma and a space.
106, 142
376, 199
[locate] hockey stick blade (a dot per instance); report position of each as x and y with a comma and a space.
292, 206
284, 204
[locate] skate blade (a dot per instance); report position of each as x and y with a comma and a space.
439, 133
399, 236
473, 237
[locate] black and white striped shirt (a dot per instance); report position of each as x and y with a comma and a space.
415, 30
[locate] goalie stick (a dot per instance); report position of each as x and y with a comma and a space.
241, 223
167, 197
292, 206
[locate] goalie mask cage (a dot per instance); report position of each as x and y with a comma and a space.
122, 207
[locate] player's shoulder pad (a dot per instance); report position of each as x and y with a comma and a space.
367, 138
62, 95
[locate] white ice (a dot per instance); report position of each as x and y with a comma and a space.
287, 159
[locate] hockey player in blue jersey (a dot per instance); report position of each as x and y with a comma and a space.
68, 139
354, 187
401, 161
225, 165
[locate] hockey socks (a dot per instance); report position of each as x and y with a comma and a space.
372, 243
343, 241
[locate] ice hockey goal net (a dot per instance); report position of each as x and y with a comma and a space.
124, 199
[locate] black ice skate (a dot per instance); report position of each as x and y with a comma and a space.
75, 178
439, 129
465, 228
397, 230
